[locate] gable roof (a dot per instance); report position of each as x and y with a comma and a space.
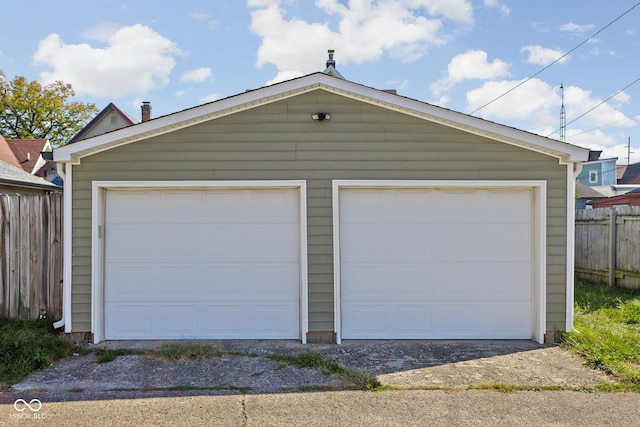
6, 154
15, 176
585, 191
72, 153
27, 151
128, 120
629, 174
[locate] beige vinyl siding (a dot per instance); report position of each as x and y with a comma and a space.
279, 141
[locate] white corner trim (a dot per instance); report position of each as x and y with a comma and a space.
572, 174
98, 204
539, 188
67, 269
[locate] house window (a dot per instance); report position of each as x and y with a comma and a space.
114, 120
593, 177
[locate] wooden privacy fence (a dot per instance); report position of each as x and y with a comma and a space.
608, 237
31, 256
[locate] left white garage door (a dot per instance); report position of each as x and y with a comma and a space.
214, 263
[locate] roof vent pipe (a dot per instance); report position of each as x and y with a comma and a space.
331, 62
146, 111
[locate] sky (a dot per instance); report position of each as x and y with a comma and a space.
458, 54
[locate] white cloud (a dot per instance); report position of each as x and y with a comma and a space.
367, 30
284, 75
537, 105
210, 22
198, 75
534, 98
575, 28
504, 9
578, 101
210, 98
543, 56
135, 60
471, 65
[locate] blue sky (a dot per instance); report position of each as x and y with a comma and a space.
459, 54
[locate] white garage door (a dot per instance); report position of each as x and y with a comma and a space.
202, 264
436, 263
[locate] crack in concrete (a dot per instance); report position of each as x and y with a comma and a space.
245, 417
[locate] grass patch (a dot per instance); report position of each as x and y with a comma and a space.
27, 346
607, 331
313, 360
511, 388
186, 351
104, 355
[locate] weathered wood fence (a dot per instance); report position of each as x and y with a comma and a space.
31, 256
608, 237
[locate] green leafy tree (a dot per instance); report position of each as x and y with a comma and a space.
29, 110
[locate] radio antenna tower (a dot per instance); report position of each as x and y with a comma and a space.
563, 117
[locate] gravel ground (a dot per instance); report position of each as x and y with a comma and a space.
245, 368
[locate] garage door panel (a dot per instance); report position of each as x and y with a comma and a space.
262, 237
513, 322
409, 242
457, 320
365, 242
211, 266
409, 281
464, 286
136, 277
368, 280
436, 263
364, 321
410, 321
505, 280
129, 321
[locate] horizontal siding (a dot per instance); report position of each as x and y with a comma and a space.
280, 142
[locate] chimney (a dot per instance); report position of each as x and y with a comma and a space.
146, 111
330, 61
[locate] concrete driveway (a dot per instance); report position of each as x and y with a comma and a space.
244, 368
244, 387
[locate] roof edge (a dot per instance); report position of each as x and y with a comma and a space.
566, 153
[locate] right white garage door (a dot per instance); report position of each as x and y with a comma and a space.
436, 263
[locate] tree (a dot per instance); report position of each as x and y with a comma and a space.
29, 110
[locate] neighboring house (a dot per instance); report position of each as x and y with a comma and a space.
629, 174
586, 194
631, 198
109, 119
318, 209
599, 172
15, 180
6, 154
28, 153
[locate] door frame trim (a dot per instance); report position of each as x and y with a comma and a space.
539, 239
98, 204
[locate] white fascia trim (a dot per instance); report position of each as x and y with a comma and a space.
563, 151
190, 117
539, 278
98, 199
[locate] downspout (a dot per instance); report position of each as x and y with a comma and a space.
64, 170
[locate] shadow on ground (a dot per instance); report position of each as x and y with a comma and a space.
244, 368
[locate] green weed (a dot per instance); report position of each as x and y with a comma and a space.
607, 330
27, 346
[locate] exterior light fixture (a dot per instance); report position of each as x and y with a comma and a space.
321, 116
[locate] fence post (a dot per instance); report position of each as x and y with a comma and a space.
612, 247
